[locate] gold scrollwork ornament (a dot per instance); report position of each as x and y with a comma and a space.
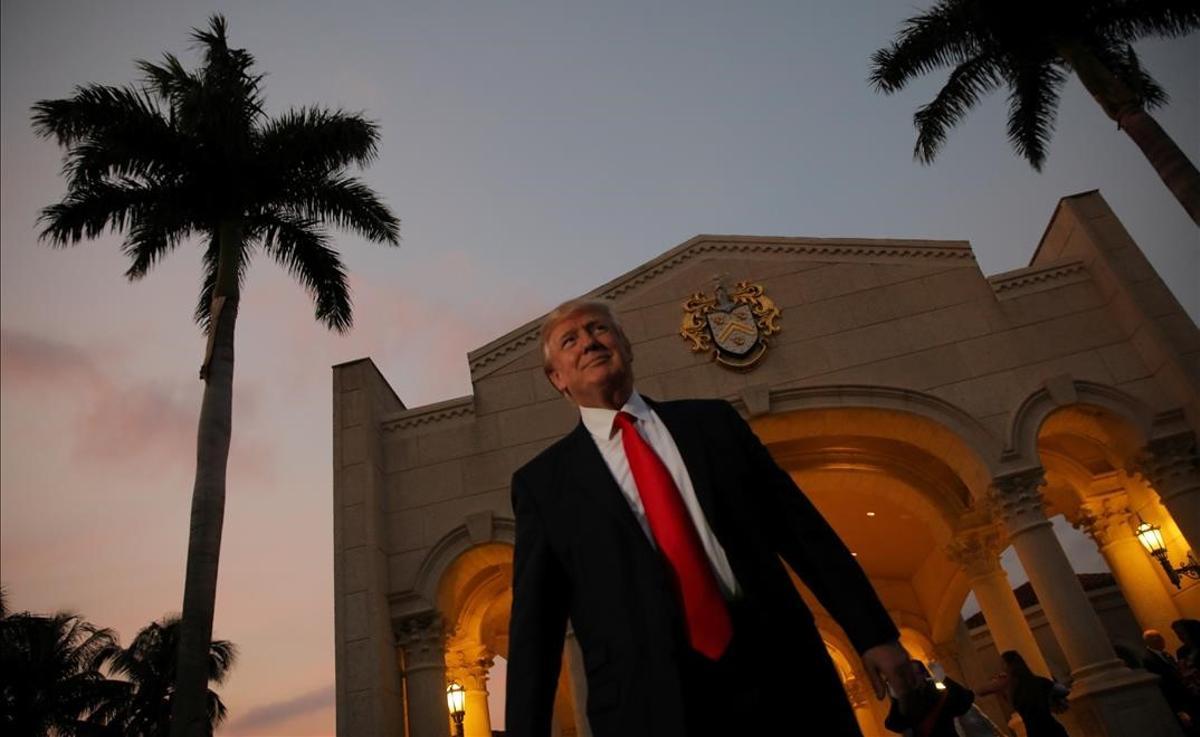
733, 323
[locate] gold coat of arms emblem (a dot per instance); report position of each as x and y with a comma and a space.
732, 323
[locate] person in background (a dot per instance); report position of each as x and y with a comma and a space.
1188, 654
1161, 663
931, 709
1031, 696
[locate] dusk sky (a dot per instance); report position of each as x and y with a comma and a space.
533, 151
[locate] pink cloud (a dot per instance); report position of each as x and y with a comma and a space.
260, 719
114, 423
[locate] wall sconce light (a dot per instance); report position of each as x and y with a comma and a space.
1150, 536
456, 697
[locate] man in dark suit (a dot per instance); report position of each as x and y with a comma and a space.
657, 528
1161, 663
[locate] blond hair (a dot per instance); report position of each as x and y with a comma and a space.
572, 307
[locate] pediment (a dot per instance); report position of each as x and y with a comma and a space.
687, 262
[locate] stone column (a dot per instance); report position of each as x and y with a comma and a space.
1172, 466
1110, 700
577, 679
1106, 521
423, 646
469, 666
978, 552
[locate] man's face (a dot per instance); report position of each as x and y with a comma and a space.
589, 358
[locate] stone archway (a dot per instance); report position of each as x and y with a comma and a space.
897, 486
1089, 453
474, 597
455, 624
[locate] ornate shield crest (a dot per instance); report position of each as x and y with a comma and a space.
733, 323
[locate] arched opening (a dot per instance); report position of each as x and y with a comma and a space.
1087, 451
474, 596
895, 486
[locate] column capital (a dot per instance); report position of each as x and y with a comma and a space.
423, 639
1017, 500
469, 664
1105, 519
1170, 464
977, 551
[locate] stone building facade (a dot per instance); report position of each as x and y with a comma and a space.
934, 415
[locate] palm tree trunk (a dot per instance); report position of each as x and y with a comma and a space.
1122, 105
189, 708
1173, 166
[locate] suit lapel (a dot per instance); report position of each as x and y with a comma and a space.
596, 482
696, 456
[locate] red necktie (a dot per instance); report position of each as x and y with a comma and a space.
709, 627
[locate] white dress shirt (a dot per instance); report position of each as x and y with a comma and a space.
599, 422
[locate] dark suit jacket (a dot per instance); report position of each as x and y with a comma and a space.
1170, 680
580, 553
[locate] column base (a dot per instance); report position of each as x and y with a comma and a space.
1118, 702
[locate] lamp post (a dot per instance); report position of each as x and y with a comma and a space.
456, 697
1150, 536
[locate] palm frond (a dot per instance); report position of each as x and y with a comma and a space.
318, 141
151, 238
1032, 106
229, 87
208, 282
210, 265
152, 154
149, 665
1123, 62
169, 80
214, 40
91, 207
943, 36
217, 713
221, 658
1132, 20
346, 202
301, 247
966, 85
93, 110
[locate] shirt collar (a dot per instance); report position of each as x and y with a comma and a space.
599, 420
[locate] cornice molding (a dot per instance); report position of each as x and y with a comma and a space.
430, 414
1037, 278
869, 250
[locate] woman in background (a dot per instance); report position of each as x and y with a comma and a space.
1031, 696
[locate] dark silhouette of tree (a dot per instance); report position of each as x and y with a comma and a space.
148, 667
1032, 46
51, 680
191, 155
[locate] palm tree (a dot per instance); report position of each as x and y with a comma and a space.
148, 665
1032, 47
192, 155
50, 676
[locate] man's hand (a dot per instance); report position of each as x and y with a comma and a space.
889, 664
